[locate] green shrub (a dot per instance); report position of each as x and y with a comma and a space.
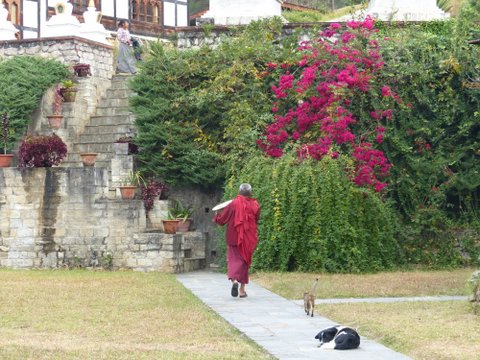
314, 219
24, 80
199, 112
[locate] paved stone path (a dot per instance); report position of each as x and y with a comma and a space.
278, 325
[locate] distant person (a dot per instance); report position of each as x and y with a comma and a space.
125, 60
241, 217
137, 48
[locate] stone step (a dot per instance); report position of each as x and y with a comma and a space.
114, 103
101, 157
106, 147
118, 93
120, 82
109, 129
109, 111
122, 119
192, 264
98, 164
100, 138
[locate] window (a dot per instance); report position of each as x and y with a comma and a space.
145, 10
134, 10
13, 8
141, 11
156, 14
149, 12
80, 6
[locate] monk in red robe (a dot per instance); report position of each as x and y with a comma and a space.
241, 217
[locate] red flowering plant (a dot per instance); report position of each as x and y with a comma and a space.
331, 102
150, 191
41, 151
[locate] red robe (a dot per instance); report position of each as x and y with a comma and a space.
241, 217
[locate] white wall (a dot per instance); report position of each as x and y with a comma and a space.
30, 18
108, 8
122, 8
412, 10
182, 14
238, 8
242, 11
168, 14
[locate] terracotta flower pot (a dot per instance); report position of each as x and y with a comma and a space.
55, 121
88, 159
6, 160
127, 192
69, 95
183, 225
170, 226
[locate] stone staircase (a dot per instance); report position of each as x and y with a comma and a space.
111, 121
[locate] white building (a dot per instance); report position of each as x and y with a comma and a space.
405, 10
239, 12
146, 17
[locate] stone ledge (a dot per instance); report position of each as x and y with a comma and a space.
4, 44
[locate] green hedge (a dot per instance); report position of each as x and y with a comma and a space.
314, 219
24, 79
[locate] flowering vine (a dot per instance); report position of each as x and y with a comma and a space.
321, 105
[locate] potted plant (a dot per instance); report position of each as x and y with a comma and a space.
41, 151
68, 91
130, 183
150, 191
82, 70
125, 146
88, 159
55, 119
170, 224
183, 214
5, 159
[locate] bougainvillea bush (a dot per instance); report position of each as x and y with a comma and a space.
41, 151
317, 100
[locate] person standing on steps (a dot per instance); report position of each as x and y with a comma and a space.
241, 217
125, 60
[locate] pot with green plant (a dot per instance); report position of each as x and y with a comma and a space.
5, 159
130, 184
55, 120
183, 214
170, 224
68, 91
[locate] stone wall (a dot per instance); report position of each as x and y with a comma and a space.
69, 50
63, 217
196, 36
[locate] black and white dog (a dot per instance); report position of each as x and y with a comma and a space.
338, 338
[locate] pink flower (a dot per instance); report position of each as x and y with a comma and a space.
386, 91
271, 65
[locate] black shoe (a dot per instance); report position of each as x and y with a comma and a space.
235, 289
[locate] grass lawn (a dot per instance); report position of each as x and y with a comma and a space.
443, 330
411, 283
110, 315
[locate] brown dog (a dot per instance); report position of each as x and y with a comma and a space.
309, 299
